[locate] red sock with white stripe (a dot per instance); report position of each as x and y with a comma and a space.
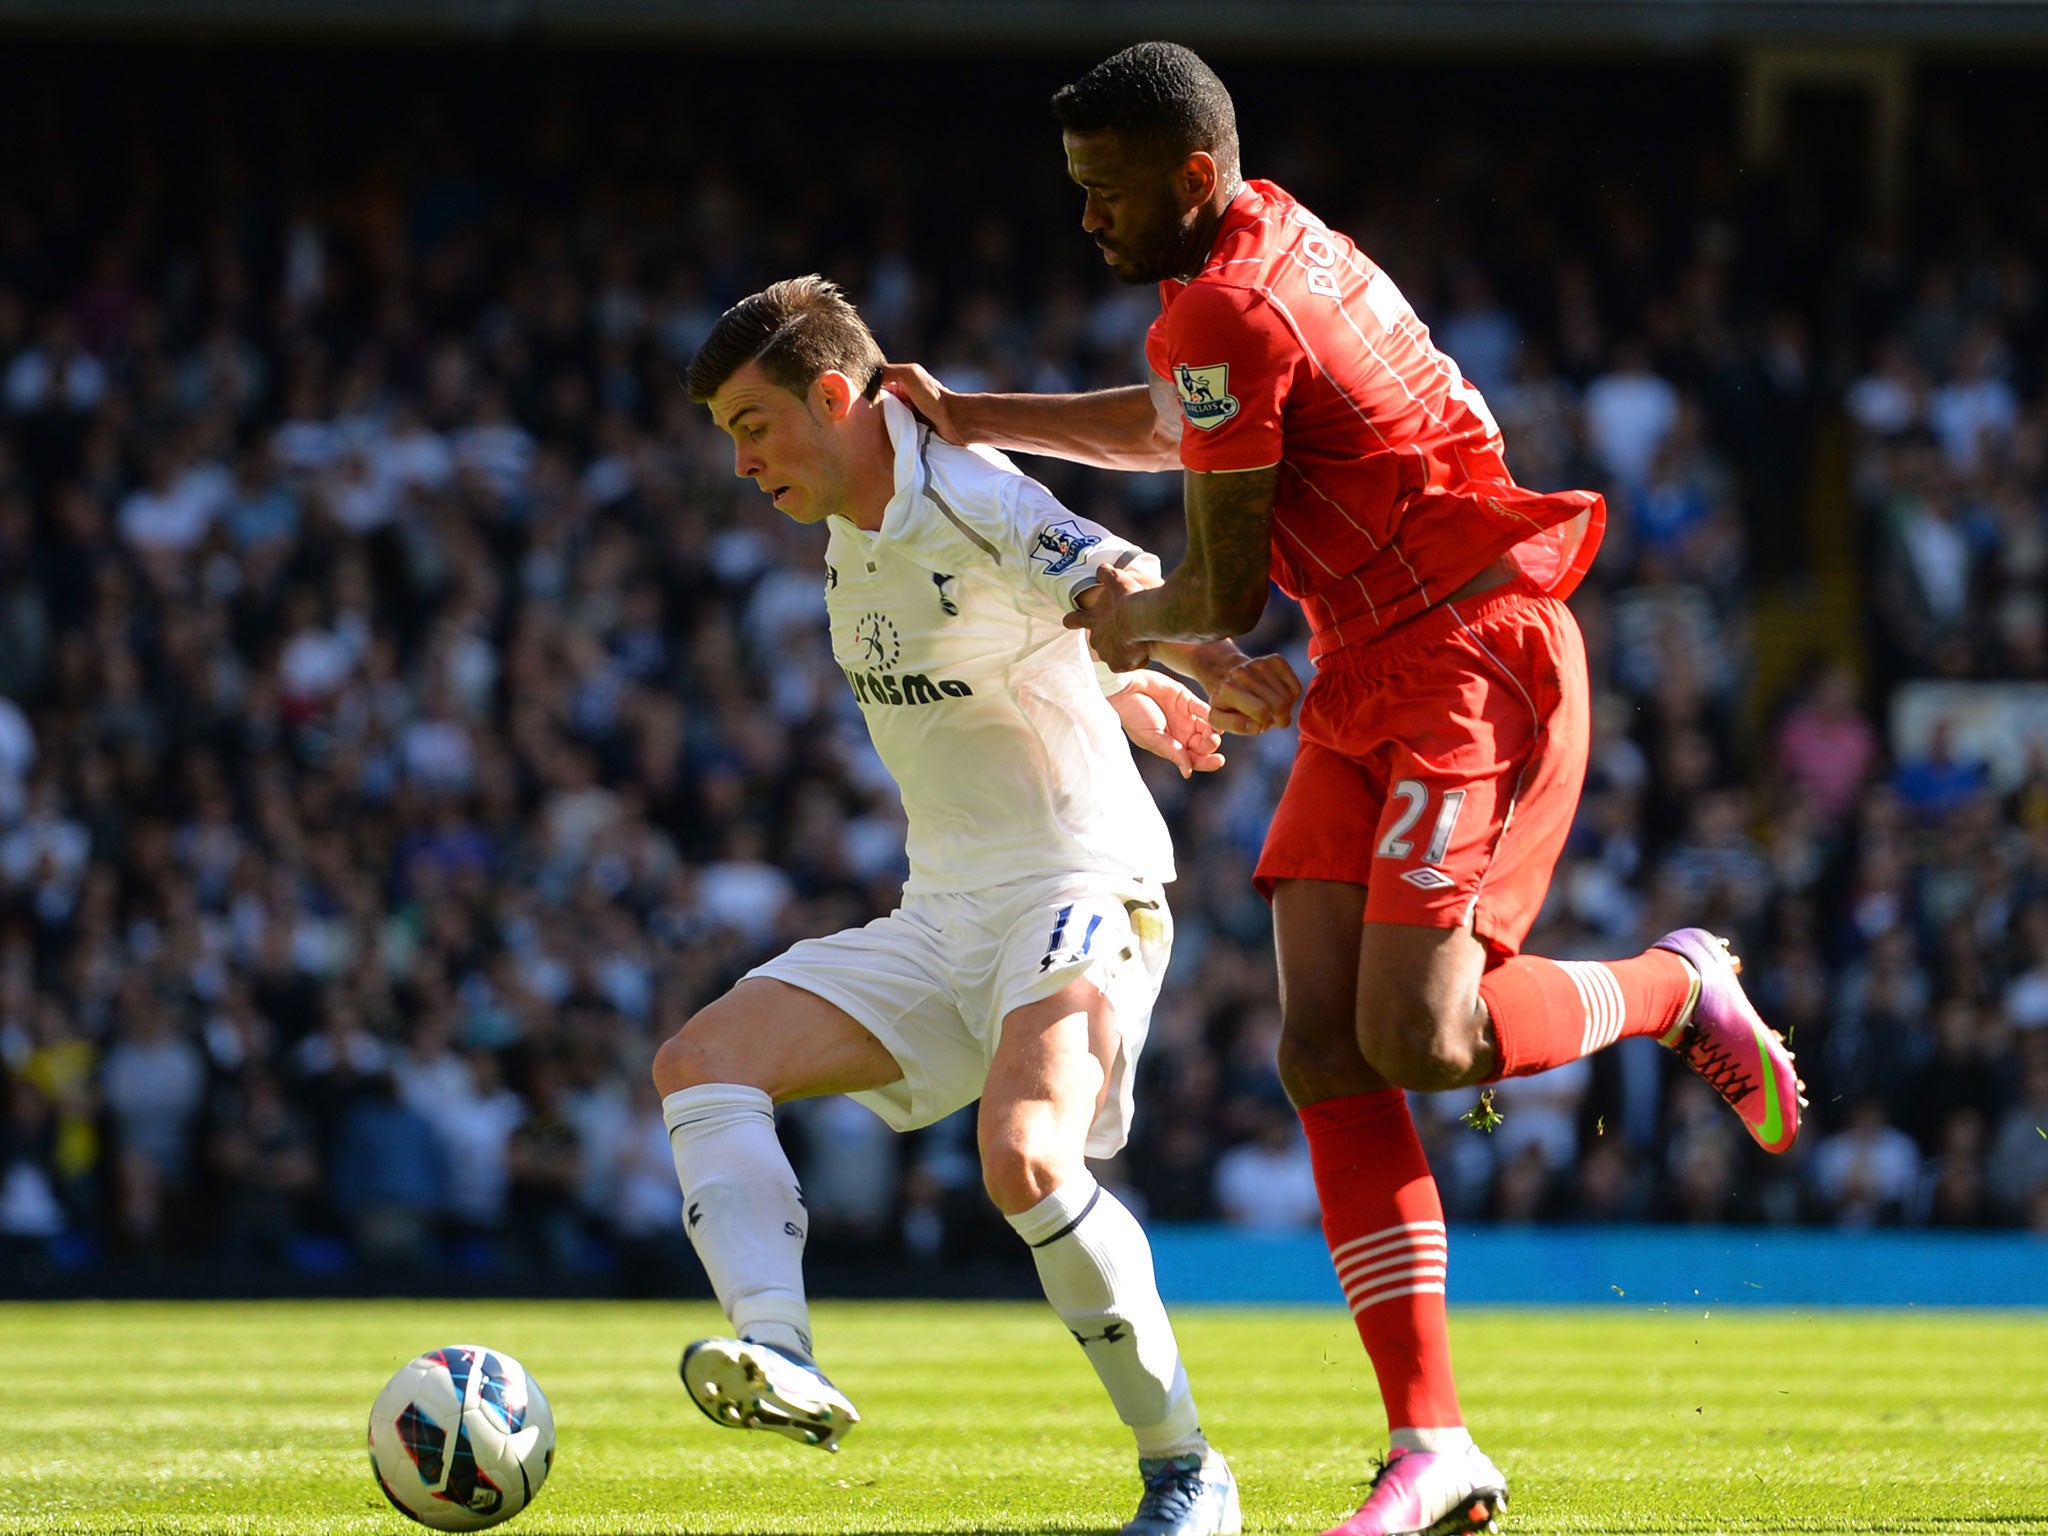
1384, 1222
1548, 1012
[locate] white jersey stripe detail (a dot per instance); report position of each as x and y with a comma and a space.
1307, 549
1342, 510
1452, 438
1392, 546
1357, 576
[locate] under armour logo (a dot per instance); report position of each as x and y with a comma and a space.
1112, 1333
695, 1214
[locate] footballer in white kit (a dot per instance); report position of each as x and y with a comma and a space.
1036, 853
1022, 965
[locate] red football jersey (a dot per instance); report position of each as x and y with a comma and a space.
1290, 347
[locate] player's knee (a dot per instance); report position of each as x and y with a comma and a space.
692, 1057
677, 1066
1315, 1065
1019, 1171
1419, 1047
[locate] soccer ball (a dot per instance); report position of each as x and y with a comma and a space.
461, 1438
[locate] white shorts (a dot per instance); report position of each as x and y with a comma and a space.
934, 980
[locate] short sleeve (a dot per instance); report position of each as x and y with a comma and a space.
1059, 551
1232, 361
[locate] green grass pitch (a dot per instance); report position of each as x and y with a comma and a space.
247, 1419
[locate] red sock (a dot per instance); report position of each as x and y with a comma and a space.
1384, 1223
1548, 1012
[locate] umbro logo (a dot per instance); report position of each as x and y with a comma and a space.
1427, 879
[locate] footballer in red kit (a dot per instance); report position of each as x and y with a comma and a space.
1290, 349
1328, 447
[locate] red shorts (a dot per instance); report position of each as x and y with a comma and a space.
1440, 766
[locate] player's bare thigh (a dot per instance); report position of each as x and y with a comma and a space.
766, 1034
1046, 1084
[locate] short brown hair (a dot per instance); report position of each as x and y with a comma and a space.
795, 329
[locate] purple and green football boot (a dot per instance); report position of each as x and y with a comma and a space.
1722, 1038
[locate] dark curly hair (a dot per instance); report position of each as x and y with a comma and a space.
1158, 95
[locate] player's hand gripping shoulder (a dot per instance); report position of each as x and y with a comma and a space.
1170, 720
917, 388
1109, 428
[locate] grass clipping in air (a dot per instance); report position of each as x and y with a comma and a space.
248, 1419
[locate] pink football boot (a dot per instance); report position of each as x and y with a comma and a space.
1430, 1493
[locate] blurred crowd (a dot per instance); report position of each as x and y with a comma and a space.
406, 721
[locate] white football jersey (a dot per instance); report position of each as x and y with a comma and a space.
988, 713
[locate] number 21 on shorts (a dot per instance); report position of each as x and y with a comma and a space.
1414, 795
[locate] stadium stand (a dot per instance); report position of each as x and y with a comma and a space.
405, 719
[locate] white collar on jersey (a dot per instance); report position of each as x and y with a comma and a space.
906, 437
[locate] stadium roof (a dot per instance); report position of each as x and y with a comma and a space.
1289, 24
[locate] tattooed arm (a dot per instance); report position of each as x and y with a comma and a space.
1217, 591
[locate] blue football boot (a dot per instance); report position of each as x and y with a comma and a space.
1186, 1496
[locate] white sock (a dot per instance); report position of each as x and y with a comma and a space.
742, 1209
1440, 1441
1096, 1268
